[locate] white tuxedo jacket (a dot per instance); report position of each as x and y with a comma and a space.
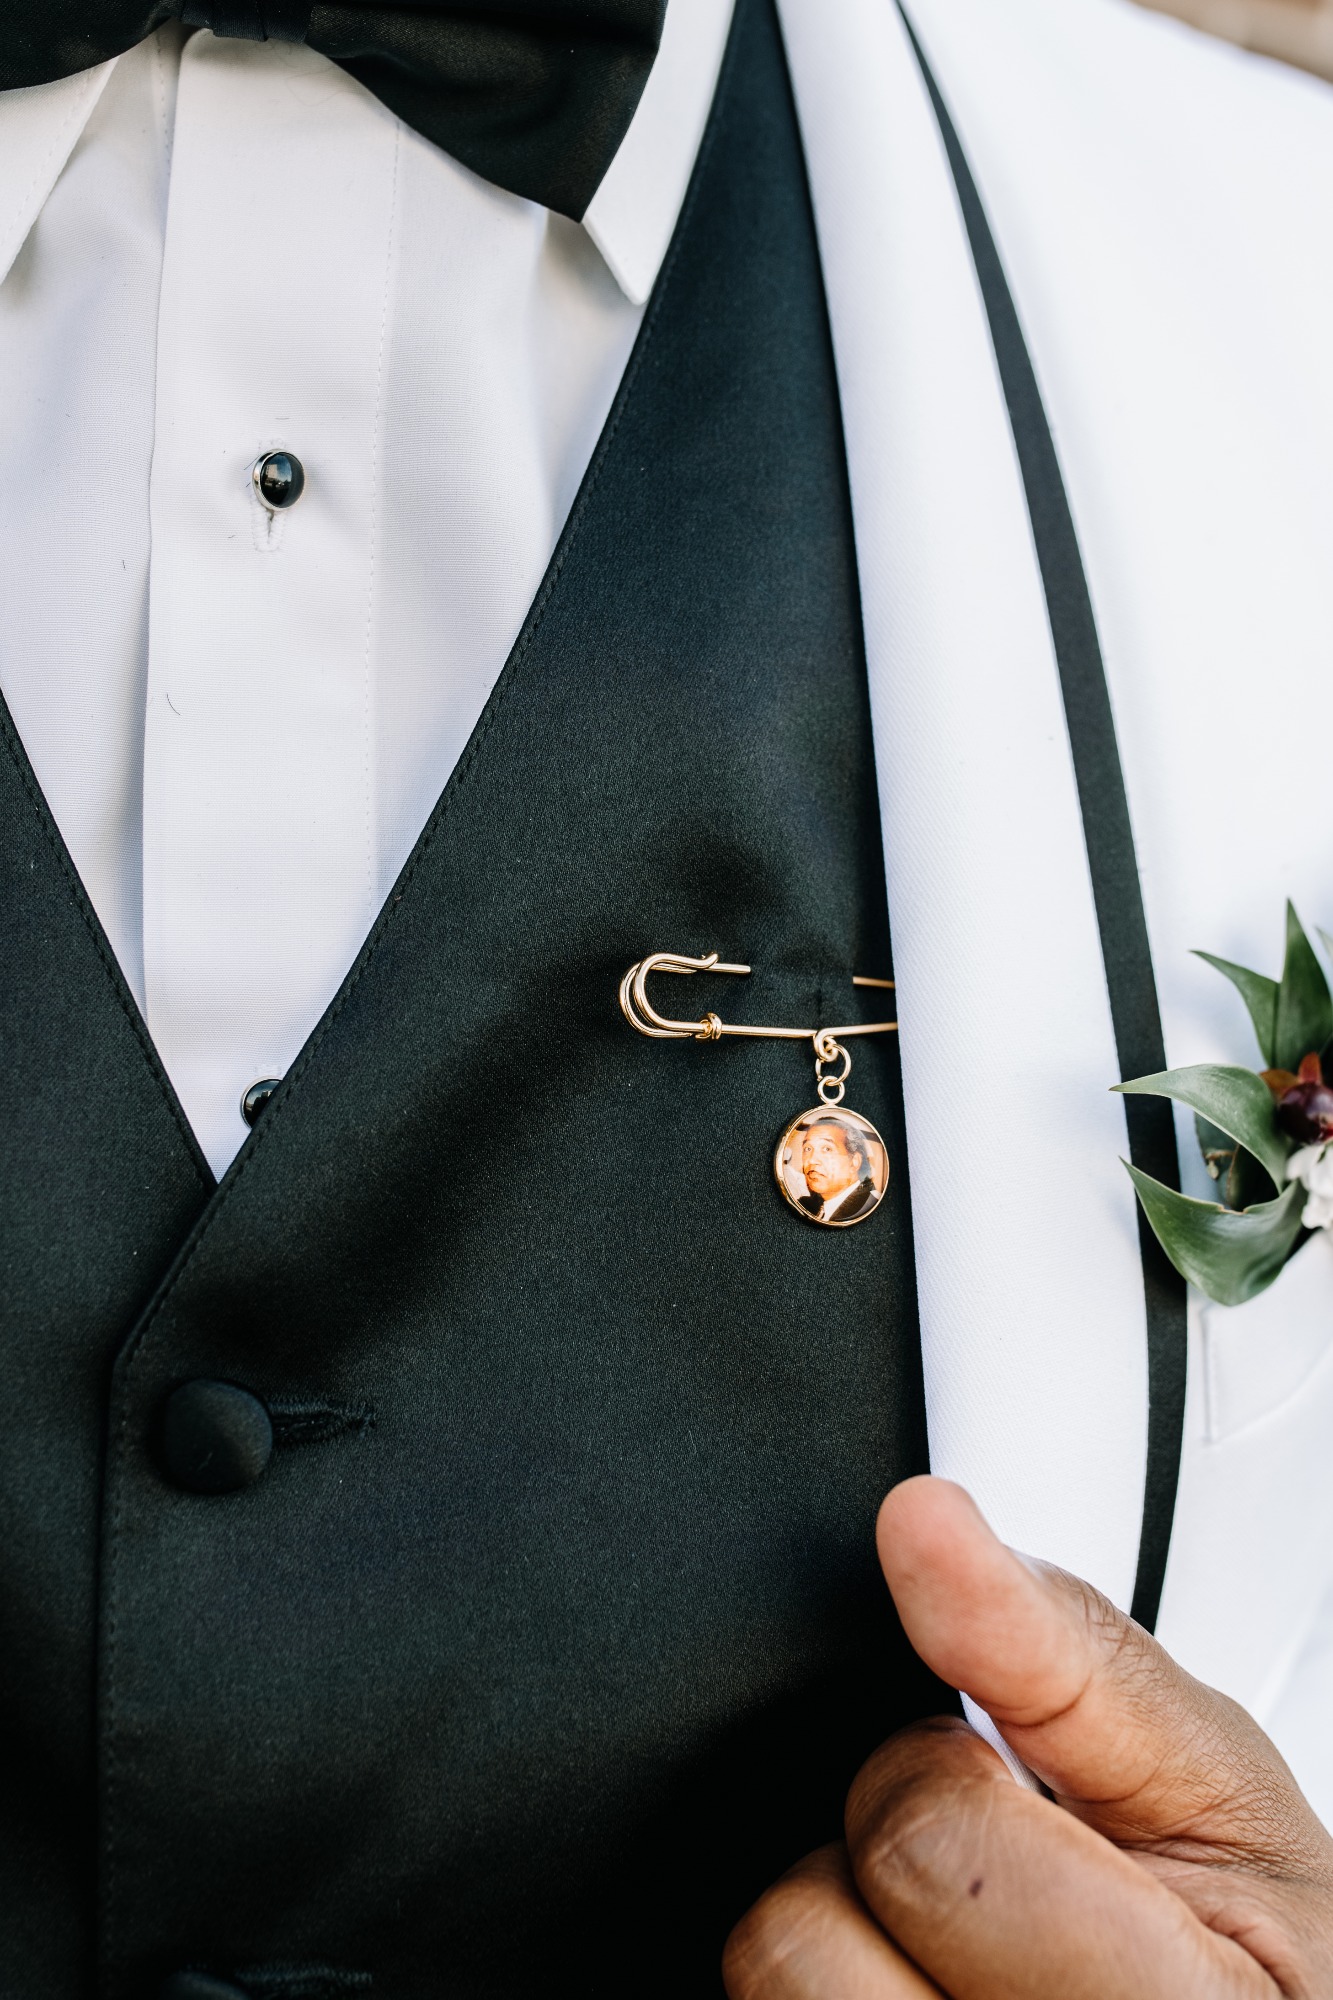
1164, 209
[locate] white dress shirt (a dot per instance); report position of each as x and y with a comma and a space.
241, 719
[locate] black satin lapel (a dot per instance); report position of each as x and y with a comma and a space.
1126, 953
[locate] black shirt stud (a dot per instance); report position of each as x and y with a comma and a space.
256, 1097
279, 479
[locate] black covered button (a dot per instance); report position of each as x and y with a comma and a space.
257, 1096
216, 1438
279, 479
198, 1986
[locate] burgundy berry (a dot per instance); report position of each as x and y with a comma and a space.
1306, 1113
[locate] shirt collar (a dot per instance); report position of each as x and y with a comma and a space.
633, 213
39, 129
844, 1195
630, 218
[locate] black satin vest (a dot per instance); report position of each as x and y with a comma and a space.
553, 1630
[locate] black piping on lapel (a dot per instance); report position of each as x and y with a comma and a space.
1121, 922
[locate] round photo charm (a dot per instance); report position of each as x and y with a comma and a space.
832, 1167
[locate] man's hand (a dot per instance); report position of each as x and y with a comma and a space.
1176, 1859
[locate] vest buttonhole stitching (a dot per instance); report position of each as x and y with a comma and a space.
299, 1982
301, 1421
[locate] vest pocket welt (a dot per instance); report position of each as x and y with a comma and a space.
1260, 1356
1251, 1550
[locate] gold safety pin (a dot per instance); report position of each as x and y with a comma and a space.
641, 1014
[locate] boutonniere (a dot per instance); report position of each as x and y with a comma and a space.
1266, 1135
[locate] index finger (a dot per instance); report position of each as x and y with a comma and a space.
999, 1895
811, 1937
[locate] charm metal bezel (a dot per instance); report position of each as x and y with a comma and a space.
877, 1163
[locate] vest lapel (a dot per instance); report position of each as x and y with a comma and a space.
1031, 1290
100, 1180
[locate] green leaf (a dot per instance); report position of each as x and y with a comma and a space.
1235, 1100
1303, 1021
1259, 995
1230, 1257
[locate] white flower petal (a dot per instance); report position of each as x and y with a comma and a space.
1305, 1166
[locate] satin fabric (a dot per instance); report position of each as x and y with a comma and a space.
536, 99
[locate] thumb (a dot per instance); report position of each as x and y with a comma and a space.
1086, 1698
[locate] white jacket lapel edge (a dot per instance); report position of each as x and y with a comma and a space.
1030, 1285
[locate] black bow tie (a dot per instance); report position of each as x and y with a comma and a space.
535, 95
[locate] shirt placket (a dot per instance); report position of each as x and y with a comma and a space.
259, 765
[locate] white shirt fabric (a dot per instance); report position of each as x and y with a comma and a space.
241, 720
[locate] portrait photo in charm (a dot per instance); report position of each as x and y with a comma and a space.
832, 1166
